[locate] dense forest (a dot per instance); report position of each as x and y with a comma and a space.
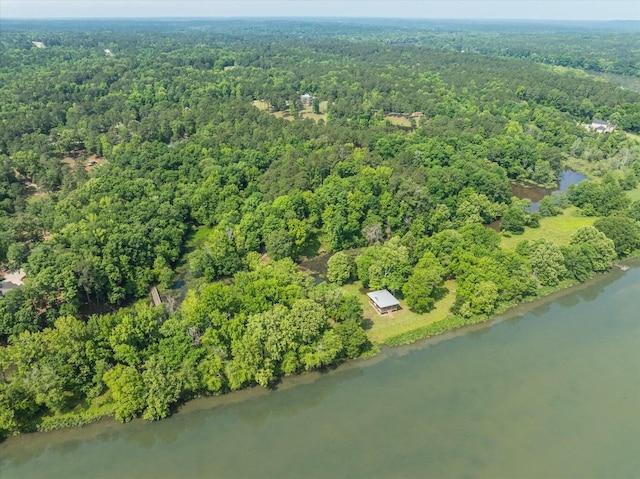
210, 158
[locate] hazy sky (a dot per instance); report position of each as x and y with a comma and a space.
468, 9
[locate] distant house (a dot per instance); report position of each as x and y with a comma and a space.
38, 44
11, 280
600, 126
306, 99
108, 52
383, 301
417, 114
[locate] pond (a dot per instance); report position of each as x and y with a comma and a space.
549, 391
535, 193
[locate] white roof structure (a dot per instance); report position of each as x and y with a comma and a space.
12, 280
383, 298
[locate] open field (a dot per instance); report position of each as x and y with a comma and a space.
285, 115
384, 327
261, 105
89, 163
399, 120
634, 194
313, 116
199, 237
304, 113
557, 229
633, 136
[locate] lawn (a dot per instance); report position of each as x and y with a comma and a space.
380, 328
557, 229
199, 237
313, 116
633, 136
634, 194
261, 105
306, 112
399, 120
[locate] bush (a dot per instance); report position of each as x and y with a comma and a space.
340, 268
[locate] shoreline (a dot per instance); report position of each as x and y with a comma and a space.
378, 353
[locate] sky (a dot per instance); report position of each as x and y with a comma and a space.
459, 9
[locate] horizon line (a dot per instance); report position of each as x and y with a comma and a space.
287, 17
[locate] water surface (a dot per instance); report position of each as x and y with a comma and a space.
535, 193
552, 392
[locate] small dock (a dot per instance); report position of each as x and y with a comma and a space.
155, 295
623, 267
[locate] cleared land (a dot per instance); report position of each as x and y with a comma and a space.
399, 120
89, 163
634, 194
380, 328
286, 115
261, 105
633, 136
557, 229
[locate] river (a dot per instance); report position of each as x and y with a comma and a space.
550, 390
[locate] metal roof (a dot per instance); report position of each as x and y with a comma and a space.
383, 298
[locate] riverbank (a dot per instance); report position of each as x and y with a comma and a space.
540, 375
509, 310
433, 331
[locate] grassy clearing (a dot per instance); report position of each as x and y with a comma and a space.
313, 116
199, 237
574, 72
587, 168
634, 194
260, 105
286, 115
557, 229
633, 136
399, 120
384, 327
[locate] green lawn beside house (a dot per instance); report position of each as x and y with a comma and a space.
380, 328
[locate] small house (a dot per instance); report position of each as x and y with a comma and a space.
38, 44
383, 301
417, 114
306, 99
11, 280
600, 126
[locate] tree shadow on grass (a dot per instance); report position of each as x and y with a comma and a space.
367, 324
440, 293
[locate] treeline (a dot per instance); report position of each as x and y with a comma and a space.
487, 277
267, 322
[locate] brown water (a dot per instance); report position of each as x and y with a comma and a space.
552, 392
536, 193
532, 192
